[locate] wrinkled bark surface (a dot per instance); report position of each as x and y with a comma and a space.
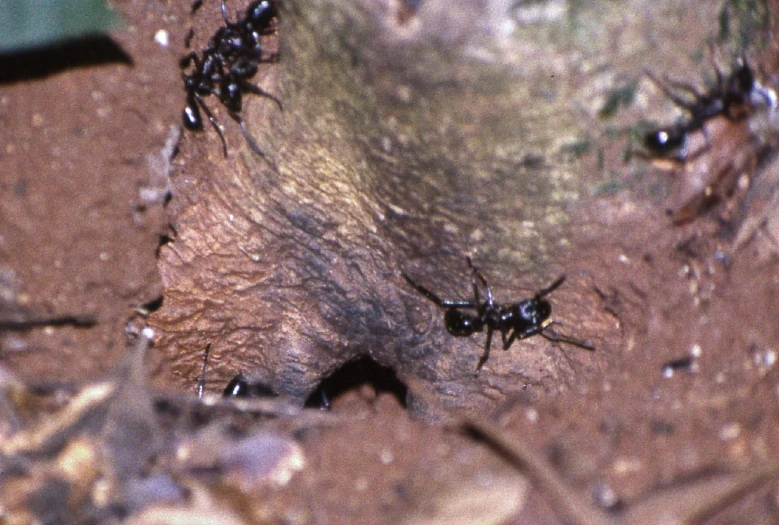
401, 147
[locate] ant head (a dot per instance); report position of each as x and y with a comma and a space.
534, 311
537, 310
460, 324
260, 15
231, 95
742, 78
241, 386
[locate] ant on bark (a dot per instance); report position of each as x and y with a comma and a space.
246, 387
714, 151
514, 321
231, 59
733, 96
239, 386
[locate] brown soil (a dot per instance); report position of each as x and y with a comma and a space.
112, 220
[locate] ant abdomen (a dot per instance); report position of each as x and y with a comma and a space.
262, 14
461, 324
666, 142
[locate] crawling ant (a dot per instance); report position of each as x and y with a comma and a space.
733, 96
514, 321
714, 151
225, 67
246, 387
243, 386
239, 386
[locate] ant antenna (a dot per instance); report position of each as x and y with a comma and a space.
551, 288
476, 274
201, 384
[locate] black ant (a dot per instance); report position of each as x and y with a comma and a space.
732, 96
244, 386
519, 320
231, 59
239, 386
713, 150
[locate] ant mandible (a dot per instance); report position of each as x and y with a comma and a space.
514, 321
226, 66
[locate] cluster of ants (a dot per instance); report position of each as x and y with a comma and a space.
226, 66
232, 58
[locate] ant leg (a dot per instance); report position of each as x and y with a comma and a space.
530, 332
189, 37
705, 136
195, 6
250, 139
551, 335
476, 274
551, 288
258, 91
666, 87
721, 80
224, 13
557, 338
186, 60
437, 300
252, 143
212, 120
689, 88
476, 297
507, 341
325, 401
201, 384
246, 134
486, 353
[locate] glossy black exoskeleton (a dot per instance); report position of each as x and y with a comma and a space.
225, 67
242, 386
668, 142
245, 387
732, 97
514, 321
239, 386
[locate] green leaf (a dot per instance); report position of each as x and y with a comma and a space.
29, 24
